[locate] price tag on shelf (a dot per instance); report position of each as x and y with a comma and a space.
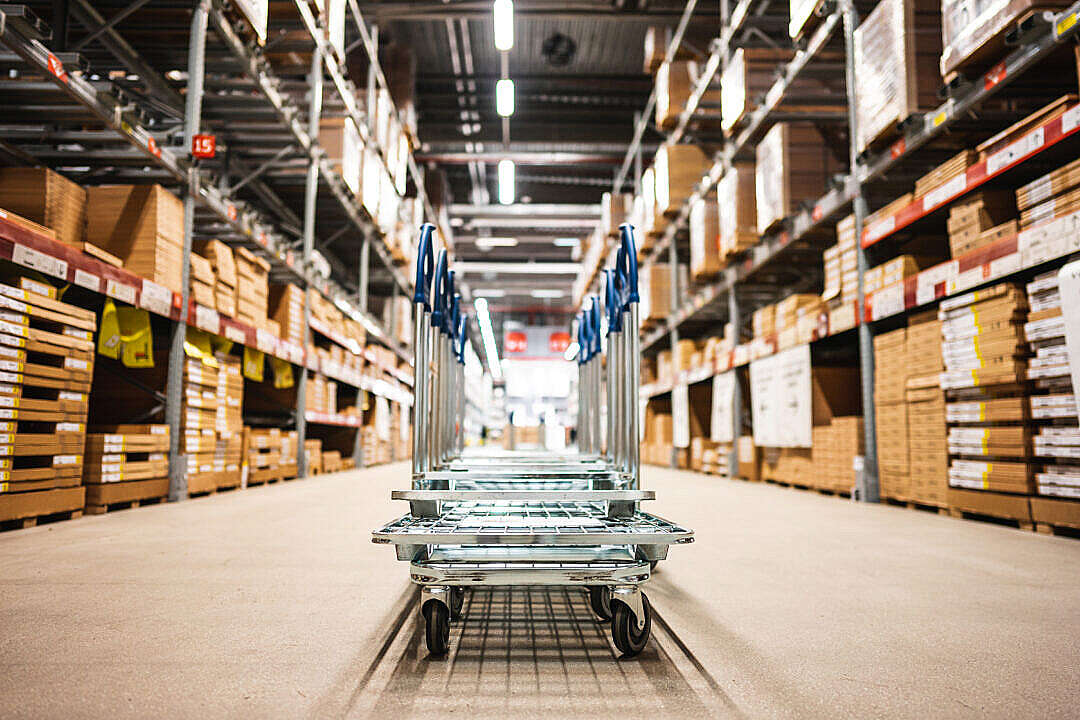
120, 291
90, 281
155, 298
235, 334
1070, 119
879, 230
265, 341
1013, 153
35, 260
207, 319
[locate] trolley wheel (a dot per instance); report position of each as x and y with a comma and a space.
624, 632
653, 564
437, 616
600, 601
457, 601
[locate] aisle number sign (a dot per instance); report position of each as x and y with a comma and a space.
781, 399
722, 422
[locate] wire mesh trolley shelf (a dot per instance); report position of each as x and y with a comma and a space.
567, 519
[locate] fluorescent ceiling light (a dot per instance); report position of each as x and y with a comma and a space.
491, 350
492, 242
547, 293
571, 351
504, 24
489, 292
566, 242
504, 97
506, 182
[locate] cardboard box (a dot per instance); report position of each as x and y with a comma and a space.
794, 164
737, 215
47, 198
704, 240
677, 168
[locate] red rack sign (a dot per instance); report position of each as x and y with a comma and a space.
204, 146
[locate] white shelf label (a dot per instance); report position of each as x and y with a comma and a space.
207, 319
943, 192
265, 341
235, 334
888, 301
120, 291
1024, 146
722, 424
881, 229
90, 281
155, 298
35, 260
1070, 119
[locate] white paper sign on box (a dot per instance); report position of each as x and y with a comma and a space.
722, 423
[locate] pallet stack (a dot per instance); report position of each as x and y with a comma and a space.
891, 414
126, 465
980, 219
842, 277
252, 287
313, 453
229, 422
198, 420
223, 264
794, 165
46, 366
736, 197
983, 351
1053, 411
835, 447
262, 455
287, 309
203, 282
927, 432
46, 198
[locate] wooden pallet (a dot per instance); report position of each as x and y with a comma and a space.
941, 509
125, 505
103, 497
802, 486
997, 520
27, 509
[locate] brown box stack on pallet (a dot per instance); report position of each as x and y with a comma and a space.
736, 196
331, 461
223, 263
614, 211
677, 168
46, 198
252, 288
897, 48
979, 219
313, 453
290, 444
842, 277
125, 464
835, 447
927, 434
1052, 409
1052, 195
892, 271
198, 420
796, 317
142, 225
675, 82
794, 165
269, 455
229, 425
317, 396
46, 366
763, 321
287, 309
982, 346
890, 413
946, 171
973, 33
202, 282
704, 240
789, 466
655, 290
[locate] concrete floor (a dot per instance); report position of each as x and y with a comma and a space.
272, 602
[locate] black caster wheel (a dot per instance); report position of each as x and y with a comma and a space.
624, 632
457, 601
600, 601
653, 564
437, 616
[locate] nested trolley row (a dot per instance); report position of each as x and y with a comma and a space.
527, 518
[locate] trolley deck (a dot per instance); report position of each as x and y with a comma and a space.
530, 518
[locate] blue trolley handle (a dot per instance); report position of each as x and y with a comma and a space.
461, 338
610, 300
626, 261
425, 267
448, 316
583, 338
594, 336
453, 317
438, 292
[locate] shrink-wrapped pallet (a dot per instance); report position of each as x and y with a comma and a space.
896, 49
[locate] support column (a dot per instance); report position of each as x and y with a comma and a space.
868, 490
392, 332
362, 303
175, 374
311, 194
736, 398
673, 298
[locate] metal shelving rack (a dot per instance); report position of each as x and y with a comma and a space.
1033, 40
212, 208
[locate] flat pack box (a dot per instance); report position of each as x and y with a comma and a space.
736, 197
897, 48
143, 226
793, 165
47, 198
704, 240
286, 306
1012, 507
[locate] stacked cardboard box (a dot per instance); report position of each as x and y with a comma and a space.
229, 422
614, 211
202, 282
331, 461
198, 420
789, 466
946, 171
835, 447
287, 309
340, 138
748, 75
704, 240
655, 291
313, 453
891, 272
269, 455
890, 413
1052, 195
46, 198
125, 464
897, 48
842, 277
223, 265
927, 434
46, 365
794, 165
736, 195
675, 81
252, 288
317, 393
763, 321
1052, 408
796, 317
984, 359
677, 169
980, 219
973, 33
143, 226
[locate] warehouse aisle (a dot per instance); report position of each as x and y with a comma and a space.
272, 602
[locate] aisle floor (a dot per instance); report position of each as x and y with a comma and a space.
272, 602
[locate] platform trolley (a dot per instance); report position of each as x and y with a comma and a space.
528, 518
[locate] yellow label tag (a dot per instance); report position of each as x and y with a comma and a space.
940, 118
1065, 23
982, 412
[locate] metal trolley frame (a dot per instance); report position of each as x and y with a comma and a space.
529, 518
